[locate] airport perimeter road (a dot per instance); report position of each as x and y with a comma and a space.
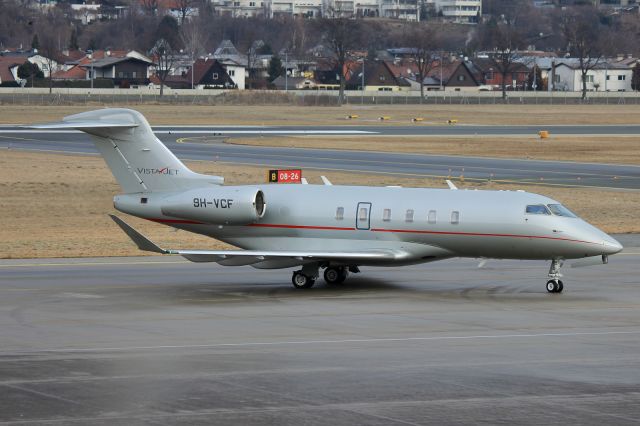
161, 341
414, 165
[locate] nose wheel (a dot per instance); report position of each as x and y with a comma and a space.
555, 286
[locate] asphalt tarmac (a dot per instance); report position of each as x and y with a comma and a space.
397, 164
162, 341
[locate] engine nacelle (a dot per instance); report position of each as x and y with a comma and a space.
223, 205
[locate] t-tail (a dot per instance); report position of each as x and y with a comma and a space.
137, 159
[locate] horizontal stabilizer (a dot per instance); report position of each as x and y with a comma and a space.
264, 259
63, 125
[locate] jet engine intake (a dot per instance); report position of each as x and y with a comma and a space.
221, 206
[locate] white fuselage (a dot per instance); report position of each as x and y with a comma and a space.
430, 224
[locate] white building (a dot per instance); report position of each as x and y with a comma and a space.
400, 9
236, 71
605, 77
461, 11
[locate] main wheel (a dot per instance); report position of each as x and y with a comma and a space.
553, 286
560, 286
300, 280
333, 275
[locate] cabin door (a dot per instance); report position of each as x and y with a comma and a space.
363, 216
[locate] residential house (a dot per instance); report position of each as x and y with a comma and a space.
375, 76
605, 76
124, 68
9, 71
206, 73
451, 74
294, 83
491, 74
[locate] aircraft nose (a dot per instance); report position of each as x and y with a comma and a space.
611, 245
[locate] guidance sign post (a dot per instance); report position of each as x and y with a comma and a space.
285, 176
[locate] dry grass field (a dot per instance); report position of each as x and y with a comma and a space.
56, 205
625, 150
514, 114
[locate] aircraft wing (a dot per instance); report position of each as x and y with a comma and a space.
259, 258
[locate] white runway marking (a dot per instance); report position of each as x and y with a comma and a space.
339, 341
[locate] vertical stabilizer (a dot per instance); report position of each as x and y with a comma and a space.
137, 159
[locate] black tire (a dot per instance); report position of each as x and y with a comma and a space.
300, 280
334, 275
560, 287
552, 286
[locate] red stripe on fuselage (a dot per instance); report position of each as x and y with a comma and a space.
324, 228
400, 231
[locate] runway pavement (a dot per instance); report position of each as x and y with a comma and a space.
509, 170
162, 341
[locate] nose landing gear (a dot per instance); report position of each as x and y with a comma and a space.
554, 285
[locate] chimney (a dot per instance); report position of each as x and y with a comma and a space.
107, 53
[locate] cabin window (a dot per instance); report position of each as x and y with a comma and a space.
455, 217
560, 210
432, 216
409, 216
537, 209
386, 215
364, 213
340, 213
143, 200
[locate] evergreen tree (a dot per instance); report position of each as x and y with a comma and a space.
275, 68
35, 44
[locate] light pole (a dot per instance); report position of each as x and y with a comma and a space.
193, 65
362, 97
91, 70
286, 71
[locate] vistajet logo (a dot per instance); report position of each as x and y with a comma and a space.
163, 171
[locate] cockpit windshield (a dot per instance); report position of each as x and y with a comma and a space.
537, 209
560, 210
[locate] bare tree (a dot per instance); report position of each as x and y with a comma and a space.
423, 42
342, 36
164, 56
585, 40
185, 7
150, 6
49, 51
504, 38
193, 38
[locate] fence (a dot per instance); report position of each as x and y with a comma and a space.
39, 96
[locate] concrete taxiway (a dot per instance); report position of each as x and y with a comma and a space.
162, 341
438, 166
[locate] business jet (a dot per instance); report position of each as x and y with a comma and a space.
333, 228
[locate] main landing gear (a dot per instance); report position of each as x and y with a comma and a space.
554, 285
333, 275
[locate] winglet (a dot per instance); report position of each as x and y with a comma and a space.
140, 240
451, 185
325, 180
